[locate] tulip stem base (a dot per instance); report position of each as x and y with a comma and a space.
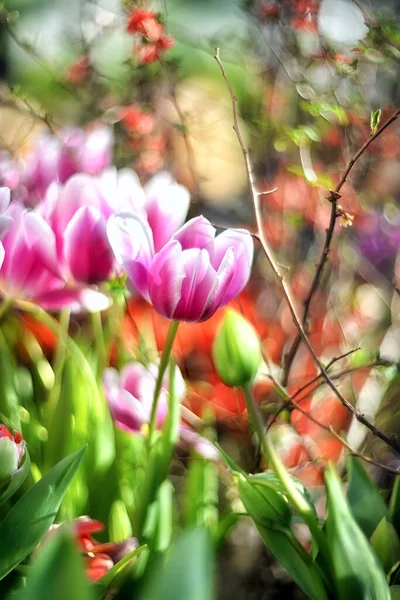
295, 496
165, 356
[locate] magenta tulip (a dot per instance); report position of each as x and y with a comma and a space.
193, 274
31, 270
5, 220
130, 395
167, 205
57, 157
78, 212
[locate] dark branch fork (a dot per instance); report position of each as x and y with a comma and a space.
391, 441
333, 197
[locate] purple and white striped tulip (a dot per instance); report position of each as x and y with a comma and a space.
31, 271
193, 274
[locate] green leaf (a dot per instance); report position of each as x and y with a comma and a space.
230, 463
8, 488
375, 120
160, 457
30, 518
115, 576
200, 501
58, 572
394, 506
187, 571
119, 522
386, 544
394, 592
288, 551
355, 566
365, 502
265, 501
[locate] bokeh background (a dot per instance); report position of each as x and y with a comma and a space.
308, 76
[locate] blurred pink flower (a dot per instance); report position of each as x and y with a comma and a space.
5, 220
167, 205
78, 212
130, 395
31, 270
193, 274
57, 157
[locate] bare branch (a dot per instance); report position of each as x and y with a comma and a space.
333, 198
331, 431
391, 441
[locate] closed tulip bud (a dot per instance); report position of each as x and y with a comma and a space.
264, 499
12, 449
236, 350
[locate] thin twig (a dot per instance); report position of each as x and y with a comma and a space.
391, 441
286, 404
333, 198
188, 145
331, 431
333, 376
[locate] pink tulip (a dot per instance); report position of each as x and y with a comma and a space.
5, 220
78, 212
193, 275
130, 395
167, 204
31, 270
57, 157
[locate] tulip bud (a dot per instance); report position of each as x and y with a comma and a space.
236, 350
12, 449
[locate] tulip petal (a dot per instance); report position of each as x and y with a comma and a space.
4, 199
78, 300
96, 150
87, 251
123, 190
196, 233
137, 380
30, 264
132, 243
199, 280
128, 412
165, 279
223, 280
242, 244
167, 206
5, 225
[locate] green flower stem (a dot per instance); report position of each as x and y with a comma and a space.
100, 345
81, 361
166, 353
58, 364
295, 496
5, 307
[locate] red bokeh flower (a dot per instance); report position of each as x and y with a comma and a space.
78, 72
145, 23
